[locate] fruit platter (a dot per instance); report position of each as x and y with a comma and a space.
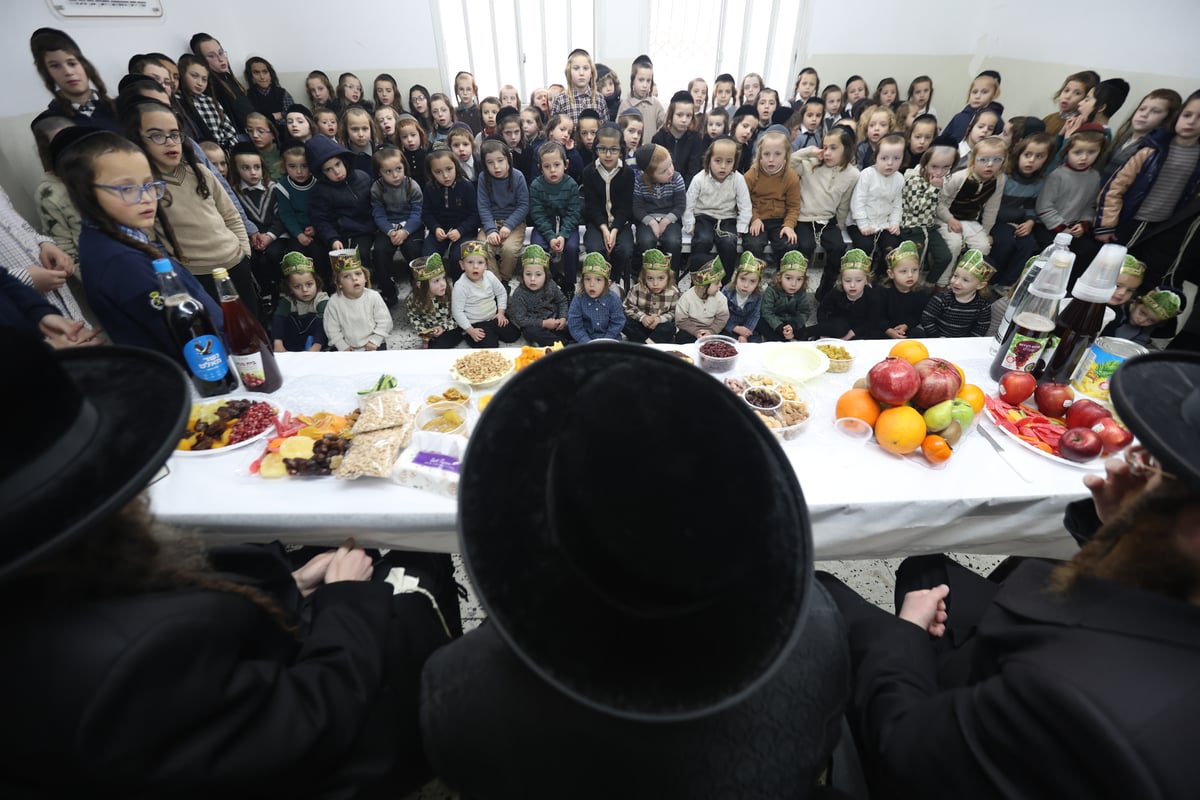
305, 445
917, 406
1049, 420
218, 426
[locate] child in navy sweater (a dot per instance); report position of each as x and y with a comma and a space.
396, 204
451, 211
899, 304
341, 203
503, 199
961, 310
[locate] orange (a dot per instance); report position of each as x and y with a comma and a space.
859, 404
935, 448
900, 430
961, 374
910, 350
973, 395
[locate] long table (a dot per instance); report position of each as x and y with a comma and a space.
864, 502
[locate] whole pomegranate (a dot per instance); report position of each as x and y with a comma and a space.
893, 381
940, 381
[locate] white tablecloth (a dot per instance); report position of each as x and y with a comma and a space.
864, 502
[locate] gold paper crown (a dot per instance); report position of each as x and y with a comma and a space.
905, 250
973, 264
656, 260
1132, 267
474, 247
296, 263
793, 261
426, 269
345, 260
709, 274
594, 264
856, 259
534, 255
750, 263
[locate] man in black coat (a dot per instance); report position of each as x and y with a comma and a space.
1072, 680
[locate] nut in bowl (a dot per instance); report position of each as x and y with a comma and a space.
481, 368
840, 359
717, 353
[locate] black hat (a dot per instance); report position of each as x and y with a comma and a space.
505, 112
1158, 396
243, 149
94, 445
133, 80
782, 115
746, 110
655, 608
296, 108
44, 40
682, 96
942, 140
69, 136
589, 113
643, 155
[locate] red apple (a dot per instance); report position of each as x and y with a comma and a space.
1016, 386
1112, 435
893, 381
1080, 444
1053, 399
1086, 413
940, 381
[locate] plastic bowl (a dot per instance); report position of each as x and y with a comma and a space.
790, 426
432, 412
836, 364
796, 362
439, 391
716, 363
762, 398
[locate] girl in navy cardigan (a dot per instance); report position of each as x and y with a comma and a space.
451, 212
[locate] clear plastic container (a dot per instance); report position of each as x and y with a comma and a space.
710, 363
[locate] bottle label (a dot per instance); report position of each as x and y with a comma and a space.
1023, 353
205, 357
250, 369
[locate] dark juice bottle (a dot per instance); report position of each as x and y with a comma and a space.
1081, 322
200, 347
249, 346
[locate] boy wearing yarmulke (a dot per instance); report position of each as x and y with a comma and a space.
704, 310
1138, 320
962, 309
595, 312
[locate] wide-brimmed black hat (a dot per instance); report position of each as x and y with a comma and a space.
87, 432
1158, 396
613, 546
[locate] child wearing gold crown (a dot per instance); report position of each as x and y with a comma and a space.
785, 305
356, 318
480, 301
538, 307
1129, 280
848, 312
595, 312
704, 310
297, 322
898, 305
743, 297
962, 309
650, 304
429, 305
1137, 321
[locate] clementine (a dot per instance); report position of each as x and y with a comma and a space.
859, 404
900, 430
973, 395
935, 448
910, 350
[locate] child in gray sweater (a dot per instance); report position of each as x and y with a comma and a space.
538, 307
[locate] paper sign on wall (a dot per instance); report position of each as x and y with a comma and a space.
106, 8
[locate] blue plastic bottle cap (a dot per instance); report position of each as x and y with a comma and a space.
163, 265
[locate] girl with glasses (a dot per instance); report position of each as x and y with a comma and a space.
118, 194
970, 201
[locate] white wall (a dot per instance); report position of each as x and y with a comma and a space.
1036, 44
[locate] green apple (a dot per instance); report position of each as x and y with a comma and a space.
939, 416
961, 412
